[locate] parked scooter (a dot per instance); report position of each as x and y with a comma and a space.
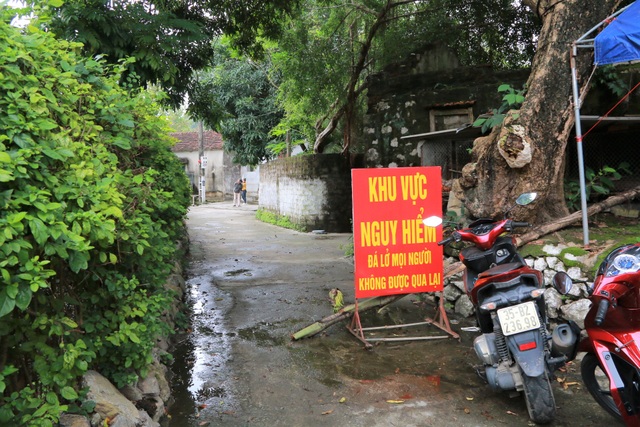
515, 345
611, 367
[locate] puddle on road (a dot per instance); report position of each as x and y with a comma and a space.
262, 336
443, 362
242, 271
202, 386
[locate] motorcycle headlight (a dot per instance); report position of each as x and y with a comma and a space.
624, 263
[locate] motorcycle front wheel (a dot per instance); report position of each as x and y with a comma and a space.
597, 382
541, 404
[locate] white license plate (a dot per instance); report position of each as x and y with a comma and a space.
519, 318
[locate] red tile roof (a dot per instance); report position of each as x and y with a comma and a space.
188, 141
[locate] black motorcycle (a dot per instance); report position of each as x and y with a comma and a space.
515, 345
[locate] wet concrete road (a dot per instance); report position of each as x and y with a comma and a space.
252, 285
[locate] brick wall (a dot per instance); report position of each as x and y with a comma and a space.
313, 191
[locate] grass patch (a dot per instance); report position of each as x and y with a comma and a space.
532, 250
606, 232
348, 248
279, 220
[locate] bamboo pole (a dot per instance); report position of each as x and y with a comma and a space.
343, 314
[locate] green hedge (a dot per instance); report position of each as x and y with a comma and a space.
92, 202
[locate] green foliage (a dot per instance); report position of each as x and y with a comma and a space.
179, 121
316, 57
92, 202
597, 184
238, 97
349, 250
279, 220
610, 77
170, 40
502, 33
319, 42
512, 100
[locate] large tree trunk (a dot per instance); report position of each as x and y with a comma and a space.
543, 125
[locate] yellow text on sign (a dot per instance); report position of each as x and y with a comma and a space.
399, 281
384, 233
385, 188
399, 259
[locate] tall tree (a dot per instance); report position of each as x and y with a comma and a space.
170, 39
237, 97
331, 47
527, 152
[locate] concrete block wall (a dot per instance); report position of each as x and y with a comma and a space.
312, 191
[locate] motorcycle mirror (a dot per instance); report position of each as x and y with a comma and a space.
562, 282
522, 200
432, 221
526, 198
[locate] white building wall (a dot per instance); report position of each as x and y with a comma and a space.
214, 170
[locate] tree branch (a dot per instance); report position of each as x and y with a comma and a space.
576, 216
321, 139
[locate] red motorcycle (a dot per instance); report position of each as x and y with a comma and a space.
611, 367
515, 346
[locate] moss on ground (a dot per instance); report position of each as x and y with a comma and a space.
606, 232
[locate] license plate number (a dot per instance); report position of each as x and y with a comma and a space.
519, 318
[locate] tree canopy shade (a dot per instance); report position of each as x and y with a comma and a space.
170, 39
237, 97
326, 48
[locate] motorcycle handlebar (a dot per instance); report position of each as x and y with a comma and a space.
520, 224
445, 241
602, 311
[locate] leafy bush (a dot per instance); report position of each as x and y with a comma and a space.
512, 100
599, 183
92, 202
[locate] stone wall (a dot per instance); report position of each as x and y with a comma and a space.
419, 96
573, 306
312, 191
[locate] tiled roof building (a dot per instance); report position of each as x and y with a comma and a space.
189, 142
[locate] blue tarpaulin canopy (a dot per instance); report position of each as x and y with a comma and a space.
620, 40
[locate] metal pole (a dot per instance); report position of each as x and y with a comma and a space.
201, 175
588, 43
288, 140
578, 127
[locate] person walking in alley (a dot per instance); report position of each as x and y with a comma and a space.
244, 191
237, 190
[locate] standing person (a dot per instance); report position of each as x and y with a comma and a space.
244, 191
237, 189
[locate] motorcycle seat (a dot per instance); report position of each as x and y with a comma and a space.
502, 268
